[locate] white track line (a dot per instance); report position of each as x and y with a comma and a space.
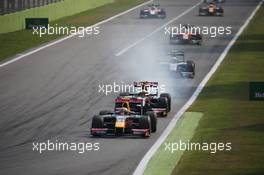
144, 161
158, 29
70, 36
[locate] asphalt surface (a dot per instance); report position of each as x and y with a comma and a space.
53, 94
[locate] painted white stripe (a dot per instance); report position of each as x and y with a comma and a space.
144, 161
70, 36
155, 31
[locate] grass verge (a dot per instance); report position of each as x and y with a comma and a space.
164, 159
229, 116
17, 42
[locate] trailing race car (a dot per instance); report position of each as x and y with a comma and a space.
152, 11
178, 64
211, 9
186, 37
145, 101
123, 122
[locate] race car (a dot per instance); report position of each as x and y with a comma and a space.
186, 37
123, 122
146, 100
186, 69
152, 11
177, 63
211, 9
215, 1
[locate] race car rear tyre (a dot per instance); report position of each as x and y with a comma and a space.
154, 121
145, 123
105, 112
168, 96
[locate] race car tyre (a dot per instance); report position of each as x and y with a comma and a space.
162, 15
142, 14
154, 121
163, 103
97, 122
105, 112
145, 123
168, 96
193, 73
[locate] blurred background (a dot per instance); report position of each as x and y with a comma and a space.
11, 6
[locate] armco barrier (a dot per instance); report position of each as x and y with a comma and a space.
16, 21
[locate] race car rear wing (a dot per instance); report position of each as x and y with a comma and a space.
146, 83
130, 100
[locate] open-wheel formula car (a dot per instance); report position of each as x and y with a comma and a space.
152, 11
185, 69
147, 99
177, 63
186, 37
123, 122
211, 9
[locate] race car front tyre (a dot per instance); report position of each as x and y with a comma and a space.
163, 103
145, 123
97, 122
154, 121
162, 15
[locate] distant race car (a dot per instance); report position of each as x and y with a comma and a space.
185, 69
152, 11
177, 63
187, 37
123, 122
211, 9
146, 101
216, 1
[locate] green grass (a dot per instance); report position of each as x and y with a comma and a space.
17, 42
229, 116
164, 159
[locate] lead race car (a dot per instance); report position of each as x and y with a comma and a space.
211, 9
123, 122
148, 99
152, 11
188, 36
